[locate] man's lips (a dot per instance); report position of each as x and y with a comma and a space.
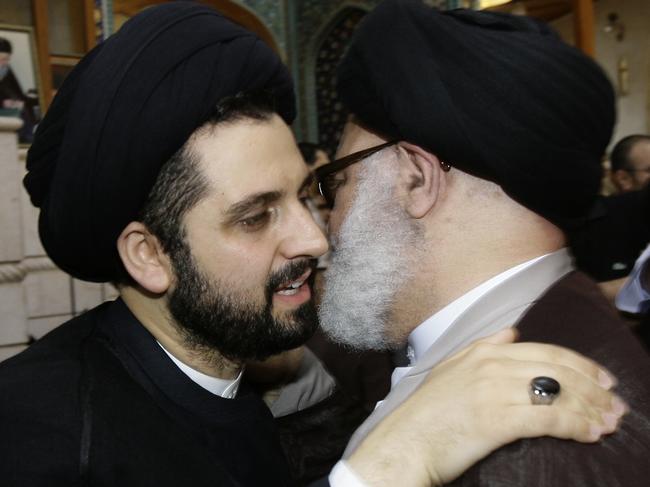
292, 287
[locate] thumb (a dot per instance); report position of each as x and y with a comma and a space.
509, 335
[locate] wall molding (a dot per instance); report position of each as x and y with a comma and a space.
16, 272
10, 124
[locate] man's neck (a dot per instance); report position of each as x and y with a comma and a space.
464, 261
428, 332
152, 313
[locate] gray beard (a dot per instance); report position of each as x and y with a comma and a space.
372, 260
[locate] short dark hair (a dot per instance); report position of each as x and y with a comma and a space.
620, 158
308, 151
180, 184
5, 45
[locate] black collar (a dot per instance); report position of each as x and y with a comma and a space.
146, 361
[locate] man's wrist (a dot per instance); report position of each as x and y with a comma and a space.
387, 460
342, 475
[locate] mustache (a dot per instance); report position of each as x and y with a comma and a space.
289, 272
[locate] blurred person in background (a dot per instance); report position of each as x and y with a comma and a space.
630, 163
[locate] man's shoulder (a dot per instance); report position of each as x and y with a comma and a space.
573, 313
62, 344
40, 415
49, 369
619, 460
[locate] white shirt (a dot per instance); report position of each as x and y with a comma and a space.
632, 297
219, 387
426, 334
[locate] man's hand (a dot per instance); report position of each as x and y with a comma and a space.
476, 402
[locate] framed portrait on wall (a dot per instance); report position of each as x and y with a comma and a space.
21, 93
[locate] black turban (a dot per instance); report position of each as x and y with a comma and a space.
125, 109
497, 96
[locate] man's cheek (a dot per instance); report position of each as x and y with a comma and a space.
338, 213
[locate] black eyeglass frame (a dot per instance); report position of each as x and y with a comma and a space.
323, 173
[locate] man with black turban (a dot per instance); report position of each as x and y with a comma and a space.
474, 142
165, 165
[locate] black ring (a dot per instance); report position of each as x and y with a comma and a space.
543, 390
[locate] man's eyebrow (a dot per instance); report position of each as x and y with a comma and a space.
257, 200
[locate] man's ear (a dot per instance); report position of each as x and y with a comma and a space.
622, 180
144, 259
423, 178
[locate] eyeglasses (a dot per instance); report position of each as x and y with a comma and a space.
327, 184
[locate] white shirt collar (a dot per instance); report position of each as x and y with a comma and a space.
632, 297
219, 387
426, 334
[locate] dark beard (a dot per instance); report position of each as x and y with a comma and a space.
211, 319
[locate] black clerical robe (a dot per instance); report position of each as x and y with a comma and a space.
98, 402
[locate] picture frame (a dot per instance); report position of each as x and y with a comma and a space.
21, 88
61, 67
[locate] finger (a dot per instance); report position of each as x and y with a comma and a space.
607, 419
509, 335
572, 383
534, 421
515, 392
540, 352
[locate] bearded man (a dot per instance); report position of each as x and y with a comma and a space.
176, 177
475, 140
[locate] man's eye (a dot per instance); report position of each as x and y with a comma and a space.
255, 222
335, 183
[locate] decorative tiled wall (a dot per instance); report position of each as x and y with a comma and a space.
274, 15
310, 23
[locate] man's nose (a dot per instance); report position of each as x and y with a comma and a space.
303, 238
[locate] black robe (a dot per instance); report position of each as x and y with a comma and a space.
98, 402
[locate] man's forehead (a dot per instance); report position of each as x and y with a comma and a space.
355, 137
640, 153
249, 157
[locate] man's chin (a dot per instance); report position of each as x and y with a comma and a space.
362, 339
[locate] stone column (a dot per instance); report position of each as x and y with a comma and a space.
48, 291
35, 295
13, 309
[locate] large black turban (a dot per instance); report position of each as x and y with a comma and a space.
127, 107
498, 96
